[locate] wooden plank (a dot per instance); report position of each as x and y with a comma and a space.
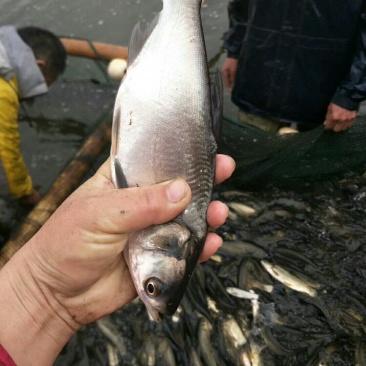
64, 185
93, 50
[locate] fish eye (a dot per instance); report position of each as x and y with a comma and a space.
153, 287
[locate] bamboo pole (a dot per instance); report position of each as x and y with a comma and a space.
64, 185
93, 50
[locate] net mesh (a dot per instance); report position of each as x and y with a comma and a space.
318, 154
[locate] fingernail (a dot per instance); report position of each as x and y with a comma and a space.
177, 190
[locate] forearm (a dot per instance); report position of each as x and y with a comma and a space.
32, 331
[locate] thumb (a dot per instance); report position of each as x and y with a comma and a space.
133, 209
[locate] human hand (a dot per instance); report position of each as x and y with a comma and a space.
32, 199
72, 271
228, 71
83, 264
338, 118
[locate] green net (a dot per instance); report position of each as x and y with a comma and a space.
318, 154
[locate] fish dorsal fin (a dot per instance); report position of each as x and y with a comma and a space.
138, 39
217, 94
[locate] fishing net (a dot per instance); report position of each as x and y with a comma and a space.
318, 154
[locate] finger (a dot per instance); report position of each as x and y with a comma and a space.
329, 125
225, 166
212, 244
226, 78
229, 82
217, 214
232, 77
130, 209
340, 126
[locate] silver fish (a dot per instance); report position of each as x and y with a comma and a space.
290, 280
166, 121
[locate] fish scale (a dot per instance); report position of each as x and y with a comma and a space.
163, 128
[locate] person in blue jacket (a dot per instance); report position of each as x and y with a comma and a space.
296, 61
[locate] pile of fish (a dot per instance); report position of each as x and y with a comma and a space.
286, 288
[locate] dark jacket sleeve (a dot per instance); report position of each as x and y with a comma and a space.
352, 90
238, 16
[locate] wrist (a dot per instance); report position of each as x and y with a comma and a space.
33, 327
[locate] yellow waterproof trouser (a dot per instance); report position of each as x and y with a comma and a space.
19, 181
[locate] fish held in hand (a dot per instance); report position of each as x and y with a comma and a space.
166, 122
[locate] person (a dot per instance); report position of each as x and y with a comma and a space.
296, 62
72, 271
31, 59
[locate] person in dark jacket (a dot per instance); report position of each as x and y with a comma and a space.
296, 61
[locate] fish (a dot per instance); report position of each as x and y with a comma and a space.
112, 355
111, 332
242, 294
290, 280
205, 331
166, 123
232, 339
242, 210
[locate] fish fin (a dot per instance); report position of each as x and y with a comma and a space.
115, 131
138, 39
217, 93
120, 178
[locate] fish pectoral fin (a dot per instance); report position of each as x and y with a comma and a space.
171, 246
115, 131
119, 177
138, 39
217, 104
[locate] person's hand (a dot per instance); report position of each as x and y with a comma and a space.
32, 199
228, 71
73, 272
338, 118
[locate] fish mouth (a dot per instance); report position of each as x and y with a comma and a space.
155, 315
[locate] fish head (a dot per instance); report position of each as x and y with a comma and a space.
158, 258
